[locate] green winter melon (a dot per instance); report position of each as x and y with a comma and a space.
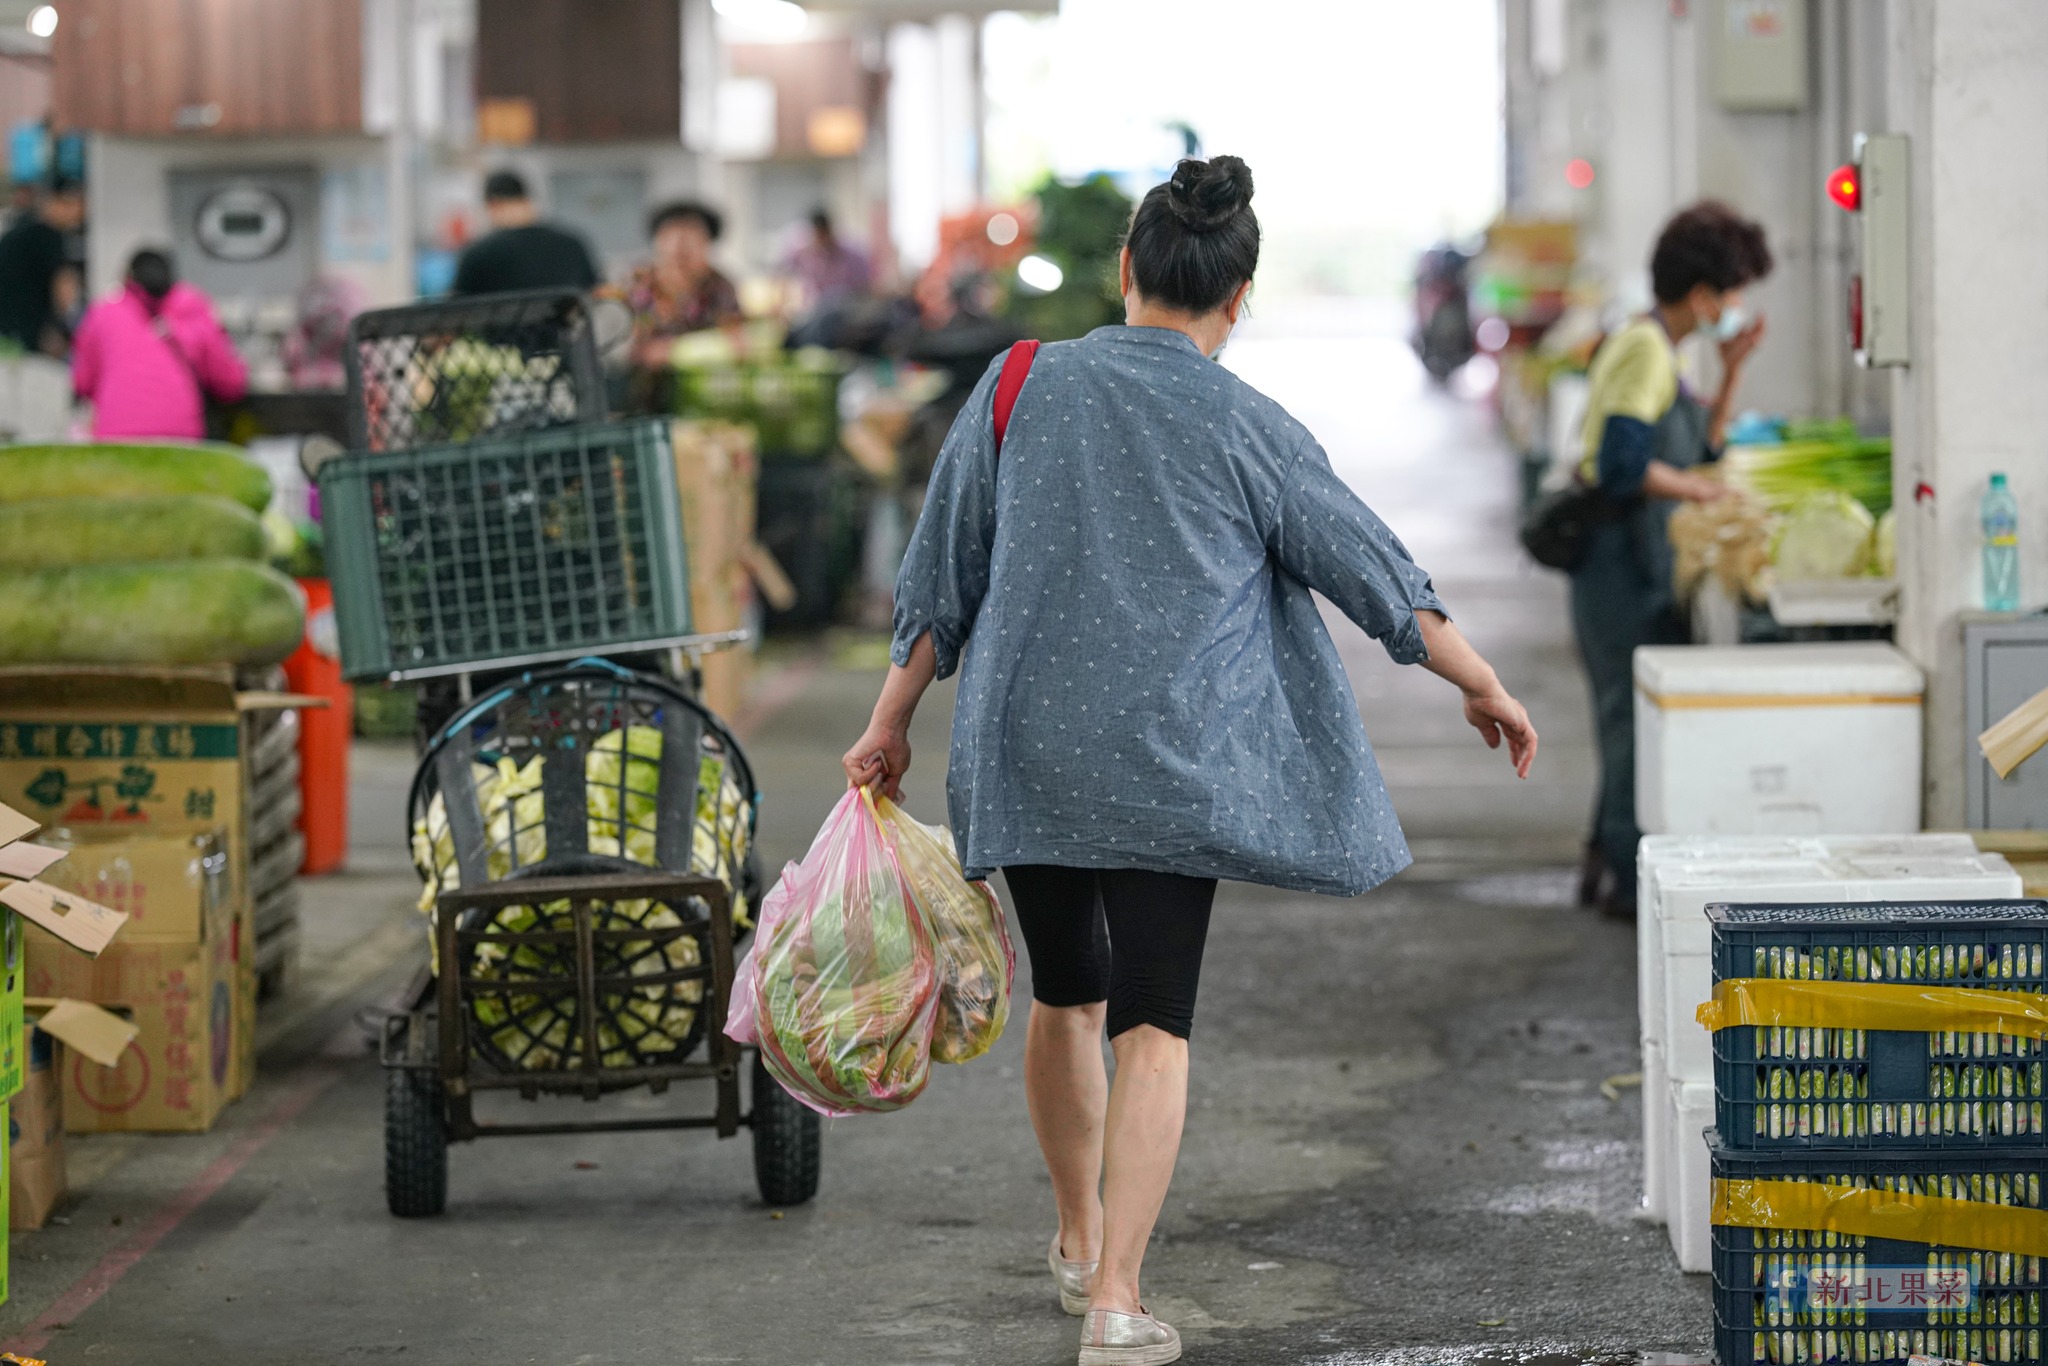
191, 612
62, 532
32, 473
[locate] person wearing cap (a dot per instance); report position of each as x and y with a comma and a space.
521, 251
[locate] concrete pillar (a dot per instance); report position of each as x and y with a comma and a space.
960, 110
916, 149
1966, 84
1637, 185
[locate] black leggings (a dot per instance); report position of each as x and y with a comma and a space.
1121, 935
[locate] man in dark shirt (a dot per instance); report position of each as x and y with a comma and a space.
521, 252
39, 285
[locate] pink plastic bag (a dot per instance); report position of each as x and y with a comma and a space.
840, 989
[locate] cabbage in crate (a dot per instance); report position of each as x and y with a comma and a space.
621, 785
622, 772
639, 1026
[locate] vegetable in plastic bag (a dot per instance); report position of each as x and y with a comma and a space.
976, 960
840, 987
1825, 536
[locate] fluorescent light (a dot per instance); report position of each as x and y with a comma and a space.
42, 20
763, 18
1003, 229
1039, 275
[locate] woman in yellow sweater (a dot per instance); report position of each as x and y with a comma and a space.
1643, 438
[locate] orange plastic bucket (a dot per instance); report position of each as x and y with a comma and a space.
324, 733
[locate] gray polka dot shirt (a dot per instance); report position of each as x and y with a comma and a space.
1147, 681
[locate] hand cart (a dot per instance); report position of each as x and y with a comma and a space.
584, 829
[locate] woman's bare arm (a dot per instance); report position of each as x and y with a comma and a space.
1488, 707
882, 754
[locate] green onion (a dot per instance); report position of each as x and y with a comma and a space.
1780, 476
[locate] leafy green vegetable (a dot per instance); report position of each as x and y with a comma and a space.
1780, 476
1824, 536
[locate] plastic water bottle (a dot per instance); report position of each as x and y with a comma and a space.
2000, 515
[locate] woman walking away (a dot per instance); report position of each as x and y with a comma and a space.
1149, 700
1644, 435
150, 357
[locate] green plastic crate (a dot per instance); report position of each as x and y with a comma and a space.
13, 1028
793, 409
525, 548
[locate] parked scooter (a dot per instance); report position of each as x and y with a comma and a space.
1443, 336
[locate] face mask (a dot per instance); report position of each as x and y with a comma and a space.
1733, 320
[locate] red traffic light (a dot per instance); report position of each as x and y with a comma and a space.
1845, 187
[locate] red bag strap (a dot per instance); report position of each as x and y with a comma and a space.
1009, 384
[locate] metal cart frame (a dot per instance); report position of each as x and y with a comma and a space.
436, 1068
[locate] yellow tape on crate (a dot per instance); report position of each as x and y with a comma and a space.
1873, 1005
1812, 1206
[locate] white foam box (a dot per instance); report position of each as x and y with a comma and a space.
1690, 1195
1656, 1139
1657, 852
1683, 892
1777, 739
1678, 876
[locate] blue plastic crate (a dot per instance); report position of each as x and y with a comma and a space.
1783, 1088
1765, 1310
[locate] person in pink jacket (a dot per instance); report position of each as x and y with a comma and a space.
149, 357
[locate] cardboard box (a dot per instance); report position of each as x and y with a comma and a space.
176, 1074
170, 885
65, 1030
716, 478
143, 750
35, 1136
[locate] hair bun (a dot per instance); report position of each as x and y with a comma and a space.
1204, 195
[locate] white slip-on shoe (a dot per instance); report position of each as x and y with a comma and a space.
1071, 1277
1109, 1338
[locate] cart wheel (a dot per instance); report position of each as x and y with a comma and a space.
786, 1142
415, 1144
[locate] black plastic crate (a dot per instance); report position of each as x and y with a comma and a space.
808, 514
1769, 1292
462, 369
1787, 1088
523, 549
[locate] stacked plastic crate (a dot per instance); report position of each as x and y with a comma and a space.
488, 517
276, 846
1680, 876
1879, 1151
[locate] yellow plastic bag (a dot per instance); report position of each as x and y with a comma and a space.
976, 960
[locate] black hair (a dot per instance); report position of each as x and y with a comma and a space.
1195, 239
821, 220
1708, 244
152, 272
500, 186
67, 185
712, 219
